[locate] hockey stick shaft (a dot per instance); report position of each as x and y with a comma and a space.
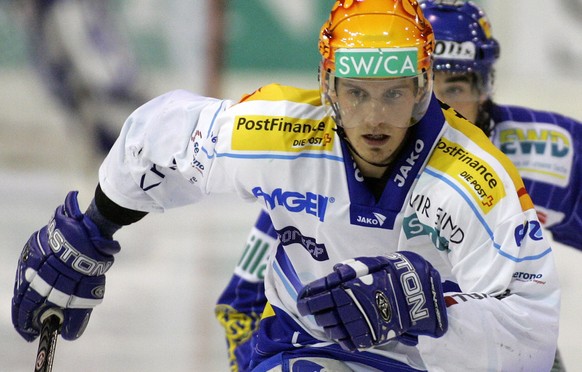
51, 325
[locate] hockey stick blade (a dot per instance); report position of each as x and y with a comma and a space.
51, 325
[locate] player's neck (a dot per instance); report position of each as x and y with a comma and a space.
370, 170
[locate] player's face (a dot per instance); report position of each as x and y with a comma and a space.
376, 115
387, 102
460, 92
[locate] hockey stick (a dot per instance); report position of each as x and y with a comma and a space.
51, 325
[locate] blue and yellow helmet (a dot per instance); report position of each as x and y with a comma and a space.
463, 40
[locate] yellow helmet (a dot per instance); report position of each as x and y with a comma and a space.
376, 39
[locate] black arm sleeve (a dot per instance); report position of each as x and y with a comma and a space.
113, 212
108, 216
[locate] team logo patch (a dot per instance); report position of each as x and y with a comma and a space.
98, 292
383, 306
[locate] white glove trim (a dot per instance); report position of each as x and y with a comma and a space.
37, 283
57, 297
359, 267
357, 303
83, 303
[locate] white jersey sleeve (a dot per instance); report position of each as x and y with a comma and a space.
504, 315
152, 165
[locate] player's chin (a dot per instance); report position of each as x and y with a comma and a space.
377, 156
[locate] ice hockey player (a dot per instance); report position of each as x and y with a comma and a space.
402, 229
464, 58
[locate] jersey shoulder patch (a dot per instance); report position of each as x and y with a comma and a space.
277, 92
277, 118
471, 170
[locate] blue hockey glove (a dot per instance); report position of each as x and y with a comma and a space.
367, 301
62, 266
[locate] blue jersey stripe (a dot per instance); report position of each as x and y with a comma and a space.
286, 272
274, 156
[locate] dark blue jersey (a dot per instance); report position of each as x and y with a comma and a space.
545, 147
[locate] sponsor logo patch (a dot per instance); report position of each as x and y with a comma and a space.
377, 220
444, 228
529, 277
541, 152
276, 133
291, 235
371, 217
471, 172
380, 62
253, 263
295, 202
529, 229
447, 49
405, 169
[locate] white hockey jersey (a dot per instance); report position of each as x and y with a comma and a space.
452, 197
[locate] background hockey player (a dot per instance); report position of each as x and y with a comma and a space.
534, 140
85, 61
401, 227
